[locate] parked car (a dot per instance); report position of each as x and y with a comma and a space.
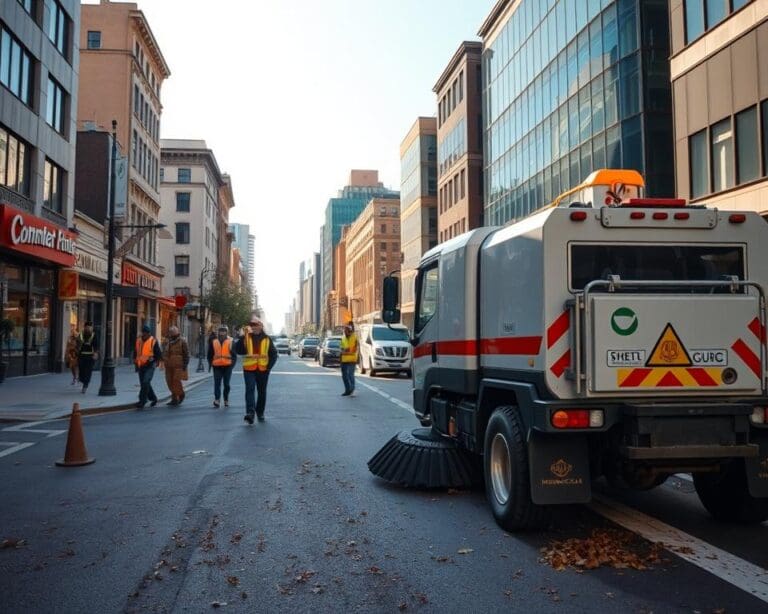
330, 352
283, 346
308, 347
384, 349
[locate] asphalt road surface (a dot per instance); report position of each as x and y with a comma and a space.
189, 510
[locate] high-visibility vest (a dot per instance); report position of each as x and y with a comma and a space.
256, 362
349, 348
222, 355
86, 347
144, 351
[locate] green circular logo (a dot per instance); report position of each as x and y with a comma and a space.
624, 321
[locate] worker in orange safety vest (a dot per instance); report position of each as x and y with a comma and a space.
147, 354
221, 358
259, 356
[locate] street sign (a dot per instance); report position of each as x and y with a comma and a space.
68, 284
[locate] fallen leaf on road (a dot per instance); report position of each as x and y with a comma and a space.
284, 590
218, 604
465, 550
614, 548
305, 575
375, 570
442, 559
235, 539
13, 543
233, 580
421, 598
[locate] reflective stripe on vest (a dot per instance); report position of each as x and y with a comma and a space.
89, 343
349, 348
144, 351
256, 362
222, 356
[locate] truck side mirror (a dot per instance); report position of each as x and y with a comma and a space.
390, 297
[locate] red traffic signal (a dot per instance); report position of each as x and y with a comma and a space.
180, 301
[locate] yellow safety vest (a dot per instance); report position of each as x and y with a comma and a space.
144, 351
349, 348
222, 356
256, 362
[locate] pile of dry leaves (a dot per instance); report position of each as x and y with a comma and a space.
614, 548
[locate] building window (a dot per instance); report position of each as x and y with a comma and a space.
58, 26
182, 266
54, 108
94, 39
207, 237
764, 124
14, 163
703, 15
721, 136
182, 200
697, 146
53, 182
28, 6
182, 233
15, 67
462, 189
162, 174
747, 154
185, 175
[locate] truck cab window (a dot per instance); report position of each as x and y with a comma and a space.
428, 287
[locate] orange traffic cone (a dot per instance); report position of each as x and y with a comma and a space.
75, 454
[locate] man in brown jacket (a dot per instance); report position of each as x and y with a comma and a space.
176, 360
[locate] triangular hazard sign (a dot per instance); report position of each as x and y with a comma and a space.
669, 351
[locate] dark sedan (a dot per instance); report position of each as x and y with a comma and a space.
308, 347
330, 352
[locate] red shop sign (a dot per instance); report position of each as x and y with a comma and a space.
36, 237
133, 276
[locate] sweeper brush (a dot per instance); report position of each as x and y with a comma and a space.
422, 458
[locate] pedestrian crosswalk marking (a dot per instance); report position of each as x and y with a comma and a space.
14, 446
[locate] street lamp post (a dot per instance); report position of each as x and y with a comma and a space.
201, 342
107, 387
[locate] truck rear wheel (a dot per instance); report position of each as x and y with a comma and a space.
361, 366
507, 482
726, 495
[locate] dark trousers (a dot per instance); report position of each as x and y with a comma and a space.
145, 379
219, 374
255, 380
348, 376
85, 368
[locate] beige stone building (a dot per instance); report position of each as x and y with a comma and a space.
719, 72
460, 143
372, 251
418, 205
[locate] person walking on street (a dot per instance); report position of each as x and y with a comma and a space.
260, 355
348, 358
87, 352
146, 356
175, 361
71, 352
222, 358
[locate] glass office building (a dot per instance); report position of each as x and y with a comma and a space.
570, 86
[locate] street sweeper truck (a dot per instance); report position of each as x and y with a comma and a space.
607, 335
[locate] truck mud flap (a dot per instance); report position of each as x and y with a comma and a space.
559, 469
757, 468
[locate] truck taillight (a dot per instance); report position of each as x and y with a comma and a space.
578, 216
760, 415
737, 218
660, 215
637, 215
577, 418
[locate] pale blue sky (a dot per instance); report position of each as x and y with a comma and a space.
292, 95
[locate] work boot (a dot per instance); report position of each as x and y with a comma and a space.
216, 403
345, 394
153, 403
226, 402
248, 418
260, 417
84, 388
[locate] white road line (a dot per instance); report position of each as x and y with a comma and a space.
732, 569
15, 447
390, 398
24, 428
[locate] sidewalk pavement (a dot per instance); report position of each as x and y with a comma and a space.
50, 395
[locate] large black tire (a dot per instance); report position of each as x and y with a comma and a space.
370, 367
507, 481
322, 361
361, 366
726, 495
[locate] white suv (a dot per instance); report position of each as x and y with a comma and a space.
384, 349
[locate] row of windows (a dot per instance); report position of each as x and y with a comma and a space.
142, 109
454, 230
452, 147
728, 153
53, 187
138, 53
452, 191
452, 97
143, 160
58, 26
146, 247
703, 15
14, 162
55, 106
620, 146
16, 66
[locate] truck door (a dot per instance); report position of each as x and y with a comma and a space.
425, 328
